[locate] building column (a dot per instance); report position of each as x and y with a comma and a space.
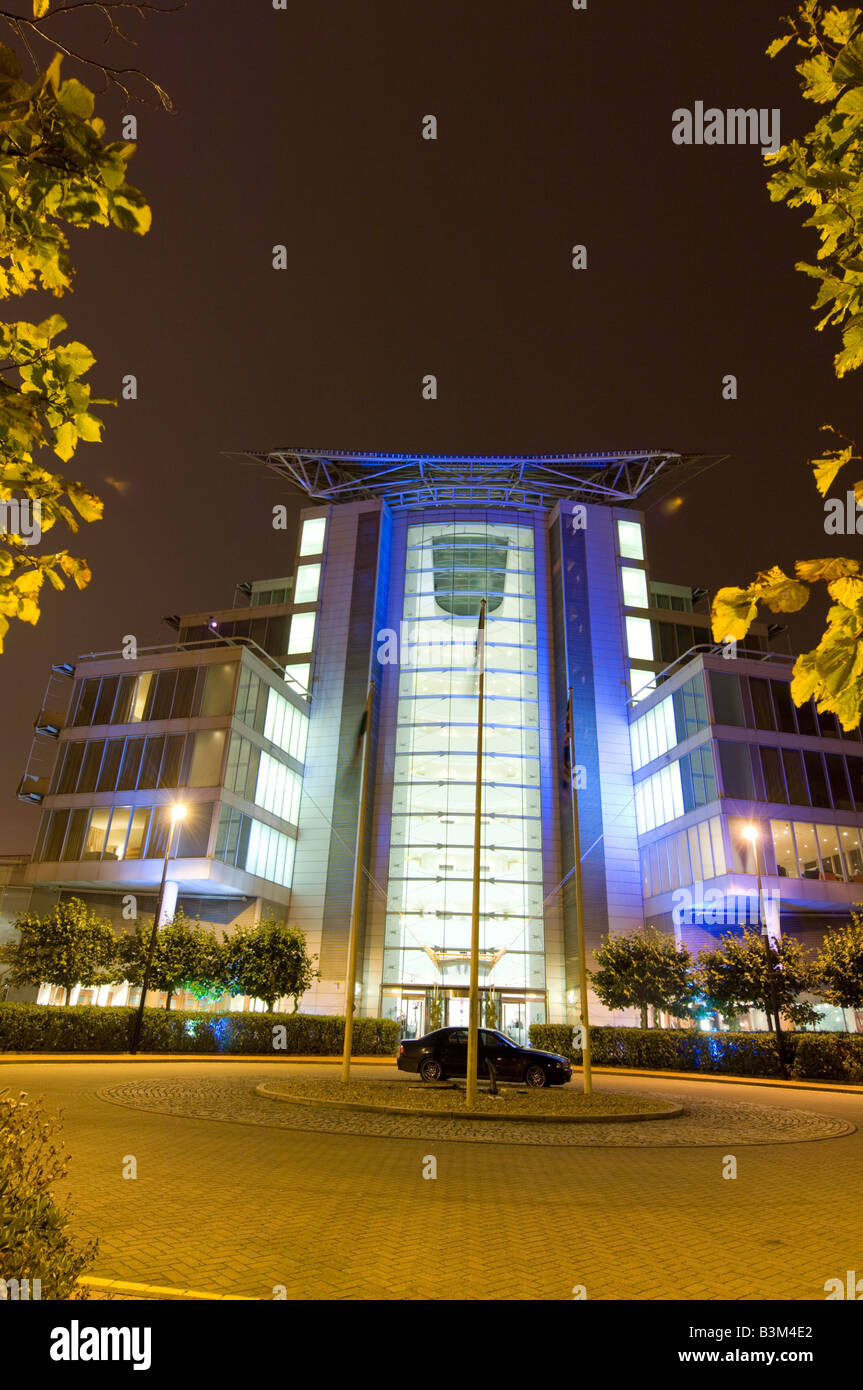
169, 902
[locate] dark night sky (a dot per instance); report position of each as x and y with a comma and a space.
408, 257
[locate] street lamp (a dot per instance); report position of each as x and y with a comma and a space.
750, 833
178, 812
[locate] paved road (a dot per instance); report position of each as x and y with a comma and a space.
234, 1209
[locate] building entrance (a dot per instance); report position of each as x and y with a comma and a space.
412, 1021
514, 1020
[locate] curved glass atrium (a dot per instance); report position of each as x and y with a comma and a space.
449, 568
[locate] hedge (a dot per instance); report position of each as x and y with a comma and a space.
88, 1028
829, 1057
685, 1049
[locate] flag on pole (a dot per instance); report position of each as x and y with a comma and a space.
568, 769
363, 726
479, 649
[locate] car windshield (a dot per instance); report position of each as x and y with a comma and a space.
502, 1038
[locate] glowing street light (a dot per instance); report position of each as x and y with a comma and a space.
177, 814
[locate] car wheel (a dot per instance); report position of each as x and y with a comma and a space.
431, 1069
535, 1075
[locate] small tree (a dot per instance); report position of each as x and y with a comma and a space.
269, 961
644, 968
211, 974
737, 976
34, 1239
185, 953
71, 945
839, 964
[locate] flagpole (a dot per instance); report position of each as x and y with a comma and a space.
473, 1007
579, 905
350, 981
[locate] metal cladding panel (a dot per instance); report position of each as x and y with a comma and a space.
388, 617
550, 755
575, 667
362, 627
618, 849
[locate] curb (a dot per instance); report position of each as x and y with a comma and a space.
160, 1290
669, 1112
31, 1058
798, 1084
61, 1058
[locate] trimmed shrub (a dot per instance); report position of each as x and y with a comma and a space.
675, 1049
829, 1057
88, 1028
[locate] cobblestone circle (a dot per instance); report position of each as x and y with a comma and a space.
704, 1123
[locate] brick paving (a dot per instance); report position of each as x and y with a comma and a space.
704, 1121
240, 1209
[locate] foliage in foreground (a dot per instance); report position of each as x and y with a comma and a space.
35, 1242
822, 173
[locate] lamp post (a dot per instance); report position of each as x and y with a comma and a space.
177, 814
751, 834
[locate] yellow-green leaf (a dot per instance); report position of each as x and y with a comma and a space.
86, 503
848, 592
781, 594
734, 610
835, 567
40, 8
826, 468
65, 439
76, 99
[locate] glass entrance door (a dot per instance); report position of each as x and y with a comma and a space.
413, 1014
457, 1012
514, 1020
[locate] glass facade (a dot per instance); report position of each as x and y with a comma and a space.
450, 567
121, 832
267, 712
682, 786
171, 694
828, 852
260, 778
139, 764
246, 843
693, 855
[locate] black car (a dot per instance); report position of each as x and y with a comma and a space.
444, 1053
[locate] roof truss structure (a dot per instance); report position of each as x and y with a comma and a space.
528, 480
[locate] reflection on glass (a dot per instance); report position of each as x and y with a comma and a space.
116, 841
142, 691
849, 839
828, 845
96, 833
783, 848
137, 833
807, 850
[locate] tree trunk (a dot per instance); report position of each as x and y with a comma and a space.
644, 1015
68, 994
169, 996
